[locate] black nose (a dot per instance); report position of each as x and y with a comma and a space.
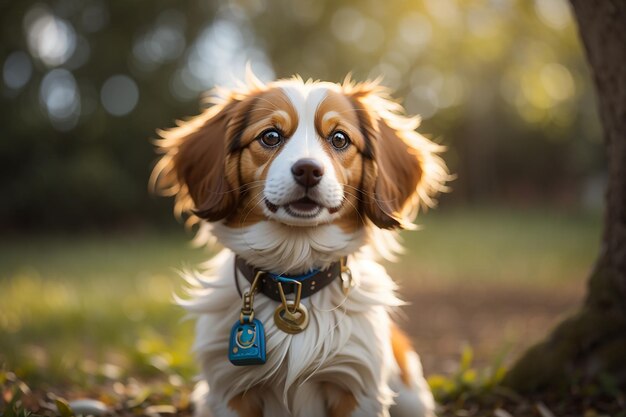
307, 172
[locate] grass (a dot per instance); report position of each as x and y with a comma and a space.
93, 305
535, 246
78, 311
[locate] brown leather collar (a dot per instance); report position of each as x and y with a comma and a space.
268, 284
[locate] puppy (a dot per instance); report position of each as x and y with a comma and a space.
305, 185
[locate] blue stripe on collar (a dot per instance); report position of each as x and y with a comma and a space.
291, 278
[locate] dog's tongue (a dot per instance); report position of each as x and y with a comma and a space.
304, 204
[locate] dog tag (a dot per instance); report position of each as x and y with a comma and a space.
290, 321
247, 343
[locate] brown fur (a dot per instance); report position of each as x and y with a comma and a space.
212, 162
246, 406
398, 176
334, 113
401, 346
344, 402
392, 177
201, 165
207, 157
271, 109
216, 168
194, 166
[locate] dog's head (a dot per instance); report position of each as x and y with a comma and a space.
301, 154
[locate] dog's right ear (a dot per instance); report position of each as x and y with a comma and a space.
197, 166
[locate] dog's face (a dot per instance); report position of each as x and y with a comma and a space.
301, 154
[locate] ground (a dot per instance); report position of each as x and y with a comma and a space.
495, 321
92, 315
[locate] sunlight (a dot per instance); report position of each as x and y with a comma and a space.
61, 99
219, 56
50, 38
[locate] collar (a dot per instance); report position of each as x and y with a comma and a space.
312, 281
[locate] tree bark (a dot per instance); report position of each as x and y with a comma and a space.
592, 343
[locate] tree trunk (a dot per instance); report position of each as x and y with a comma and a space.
592, 343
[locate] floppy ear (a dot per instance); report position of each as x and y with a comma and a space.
404, 171
197, 166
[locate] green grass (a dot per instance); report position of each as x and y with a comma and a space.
521, 246
78, 307
77, 310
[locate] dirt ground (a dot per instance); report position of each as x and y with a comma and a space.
495, 320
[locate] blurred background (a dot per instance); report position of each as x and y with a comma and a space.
87, 255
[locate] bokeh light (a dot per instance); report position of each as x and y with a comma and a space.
219, 56
50, 38
498, 82
165, 41
119, 95
60, 98
414, 31
17, 70
554, 13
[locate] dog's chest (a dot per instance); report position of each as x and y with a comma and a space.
344, 332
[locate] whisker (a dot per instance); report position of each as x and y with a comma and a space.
247, 214
248, 204
358, 213
356, 196
248, 186
373, 196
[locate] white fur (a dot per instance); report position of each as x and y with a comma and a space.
280, 187
286, 249
346, 344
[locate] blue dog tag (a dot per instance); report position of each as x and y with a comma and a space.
247, 343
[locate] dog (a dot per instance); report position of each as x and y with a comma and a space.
305, 185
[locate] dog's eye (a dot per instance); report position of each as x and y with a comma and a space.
339, 140
271, 138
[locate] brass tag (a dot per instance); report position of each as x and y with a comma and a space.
291, 320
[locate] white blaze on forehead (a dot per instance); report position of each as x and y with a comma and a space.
303, 143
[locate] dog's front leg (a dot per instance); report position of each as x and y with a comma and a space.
343, 403
246, 404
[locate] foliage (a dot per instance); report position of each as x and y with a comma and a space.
467, 382
503, 83
128, 397
478, 392
461, 394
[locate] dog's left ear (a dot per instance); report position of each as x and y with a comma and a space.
404, 170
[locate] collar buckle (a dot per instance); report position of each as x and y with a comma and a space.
347, 282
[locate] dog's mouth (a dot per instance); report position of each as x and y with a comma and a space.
304, 207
